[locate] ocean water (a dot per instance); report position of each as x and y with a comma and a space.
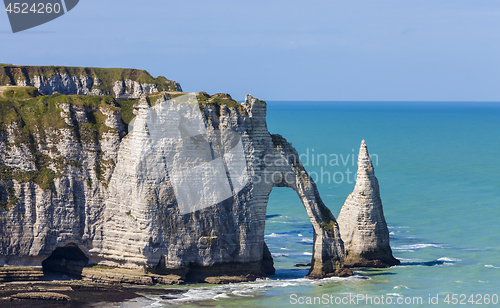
438, 166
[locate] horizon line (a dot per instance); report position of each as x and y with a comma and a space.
381, 101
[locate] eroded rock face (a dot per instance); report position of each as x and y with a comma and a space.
120, 83
64, 84
84, 85
118, 204
132, 89
361, 220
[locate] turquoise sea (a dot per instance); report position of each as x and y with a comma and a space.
438, 165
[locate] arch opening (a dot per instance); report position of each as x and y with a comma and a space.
69, 260
289, 234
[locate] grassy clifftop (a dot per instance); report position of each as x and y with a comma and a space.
34, 113
11, 74
25, 105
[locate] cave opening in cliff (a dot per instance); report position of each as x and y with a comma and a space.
288, 232
69, 260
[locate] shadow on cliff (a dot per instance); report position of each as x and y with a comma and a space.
69, 260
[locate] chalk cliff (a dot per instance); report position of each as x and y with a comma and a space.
120, 83
74, 175
361, 220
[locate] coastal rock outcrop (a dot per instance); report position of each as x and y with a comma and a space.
76, 179
361, 220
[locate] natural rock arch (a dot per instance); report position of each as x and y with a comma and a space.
328, 248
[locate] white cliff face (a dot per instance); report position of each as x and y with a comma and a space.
361, 220
120, 203
84, 85
64, 84
132, 89
119, 83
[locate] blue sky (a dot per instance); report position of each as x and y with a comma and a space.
376, 50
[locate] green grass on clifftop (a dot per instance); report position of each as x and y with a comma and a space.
34, 113
21, 92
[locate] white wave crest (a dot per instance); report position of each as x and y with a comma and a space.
276, 235
276, 255
446, 259
417, 246
249, 289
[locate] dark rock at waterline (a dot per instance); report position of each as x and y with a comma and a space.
302, 265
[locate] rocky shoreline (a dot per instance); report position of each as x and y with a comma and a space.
113, 276
24, 286
72, 293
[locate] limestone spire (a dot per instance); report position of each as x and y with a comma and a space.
361, 220
364, 160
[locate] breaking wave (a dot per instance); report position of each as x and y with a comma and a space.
418, 246
233, 290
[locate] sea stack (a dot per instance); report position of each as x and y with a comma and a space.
361, 220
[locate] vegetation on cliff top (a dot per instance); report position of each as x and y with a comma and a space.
219, 99
21, 92
11, 74
34, 113
32, 117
